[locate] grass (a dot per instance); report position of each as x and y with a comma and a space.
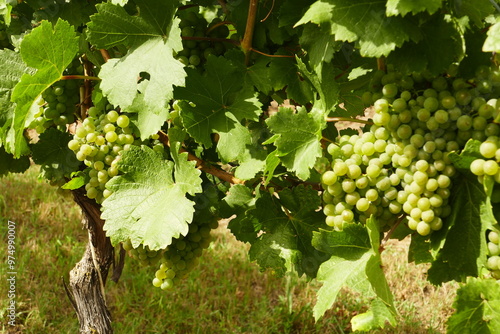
224, 294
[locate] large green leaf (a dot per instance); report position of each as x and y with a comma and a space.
113, 26
297, 139
216, 102
8, 164
477, 307
49, 50
354, 262
149, 204
462, 242
441, 44
154, 57
403, 7
280, 231
153, 36
492, 42
52, 153
476, 10
322, 78
364, 22
12, 68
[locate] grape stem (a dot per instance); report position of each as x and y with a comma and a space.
347, 119
246, 43
268, 55
105, 54
215, 26
86, 97
381, 63
389, 233
204, 166
77, 76
268, 14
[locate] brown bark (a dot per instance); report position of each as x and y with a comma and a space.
88, 277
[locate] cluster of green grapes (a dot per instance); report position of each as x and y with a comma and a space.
194, 25
60, 102
400, 167
144, 255
182, 255
493, 263
98, 141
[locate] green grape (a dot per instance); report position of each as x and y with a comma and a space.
123, 121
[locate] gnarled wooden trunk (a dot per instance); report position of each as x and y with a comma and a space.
88, 278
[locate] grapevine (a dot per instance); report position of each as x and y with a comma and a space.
160, 117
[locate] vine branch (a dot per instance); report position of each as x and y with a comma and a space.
381, 63
347, 119
268, 55
246, 43
105, 54
77, 76
203, 165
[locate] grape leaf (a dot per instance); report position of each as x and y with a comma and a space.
5, 10
8, 164
238, 200
492, 42
148, 119
113, 26
287, 224
12, 68
467, 155
363, 22
50, 50
186, 175
354, 262
475, 57
477, 307
152, 36
148, 203
154, 56
259, 76
52, 153
284, 73
322, 78
319, 44
119, 2
292, 11
420, 249
221, 102
297, 139
464, 233
441, 44
376, 317
403, 7
476, 10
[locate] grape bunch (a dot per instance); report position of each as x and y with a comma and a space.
400, 168
182, 255
493, 262
98, 141
60, 101
193, 25
144, 255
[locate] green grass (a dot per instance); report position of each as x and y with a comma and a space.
224, 294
